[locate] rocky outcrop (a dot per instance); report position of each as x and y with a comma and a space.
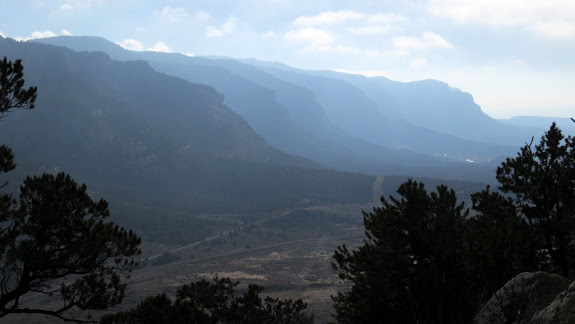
560, 311
528, 296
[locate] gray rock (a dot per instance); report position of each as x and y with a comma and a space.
560, 311
522, 298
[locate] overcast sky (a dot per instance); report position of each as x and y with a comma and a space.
516, 57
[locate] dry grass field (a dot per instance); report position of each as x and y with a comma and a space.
288, 252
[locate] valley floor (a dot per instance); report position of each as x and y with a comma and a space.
290, 258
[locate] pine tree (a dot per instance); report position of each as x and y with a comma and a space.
409, 268
13, 95
54, 239
542, 184
214, 301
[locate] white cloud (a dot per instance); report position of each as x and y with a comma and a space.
313, 36
131, 44
135, 45
369, 30
2, 34
173, 14
319, 31
69, 5
270, 34
373, 53
552, 19
160, 47
226, 28
555, 29
42, 34
229, 25
403, 45
344, 16
328, 18
320, 41
385, 18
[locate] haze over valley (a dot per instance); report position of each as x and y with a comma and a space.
258, 169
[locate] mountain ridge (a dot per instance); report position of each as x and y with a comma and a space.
351, 153
128, 130
211, 76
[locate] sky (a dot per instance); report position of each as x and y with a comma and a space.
516, 57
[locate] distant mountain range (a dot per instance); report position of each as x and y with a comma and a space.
164, 137
147, 138
344, 121
245, 111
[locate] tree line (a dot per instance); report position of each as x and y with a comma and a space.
427, 259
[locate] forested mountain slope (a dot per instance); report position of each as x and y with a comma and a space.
128, 130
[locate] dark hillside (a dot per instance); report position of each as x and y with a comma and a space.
143, 137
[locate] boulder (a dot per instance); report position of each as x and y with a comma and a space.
522, 298
560, 311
